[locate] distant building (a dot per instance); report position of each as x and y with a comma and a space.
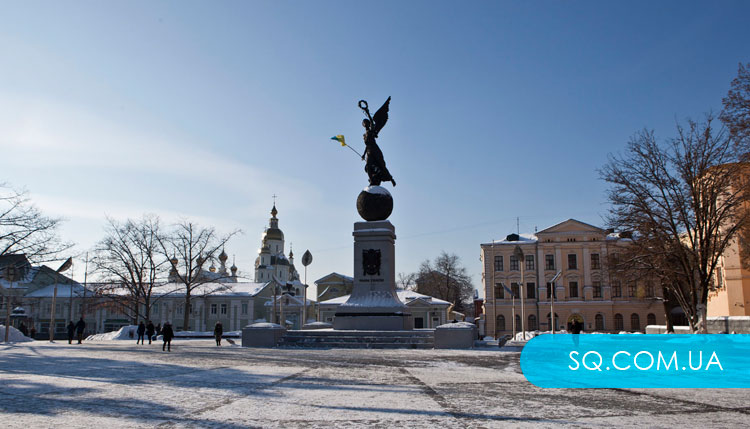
586, 291
333, 285
427, 311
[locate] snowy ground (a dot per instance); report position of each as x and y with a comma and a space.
116, 384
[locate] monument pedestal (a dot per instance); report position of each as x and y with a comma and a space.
373, 304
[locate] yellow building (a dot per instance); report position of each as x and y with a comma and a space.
585, 291
732, 294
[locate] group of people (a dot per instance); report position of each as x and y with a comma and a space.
76, 328
151, 331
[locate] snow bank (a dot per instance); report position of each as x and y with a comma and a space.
125, 333
532, 334
264, 325
458, 325
14, 335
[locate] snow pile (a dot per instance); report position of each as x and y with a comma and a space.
125, 333
532, 334
376, 190
14, 336
458, 325
206, 334
264, 325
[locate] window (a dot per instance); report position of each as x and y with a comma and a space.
213, 308
500, 323
595, 264
515, 289
499, 291
618, 322
549, 262
572, 261
616, 289
550, 289
518, 323
650, 319
631, 289
244, 308
649, 289
599, 322
531, 290
573, 289
549, 321
635, 322
530, 262
532, 323
498, 262
223, 309
155, 309
180, 309
514, 263
597, 289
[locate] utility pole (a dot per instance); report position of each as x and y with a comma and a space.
10, 275
64, 267
521, 264
552, 302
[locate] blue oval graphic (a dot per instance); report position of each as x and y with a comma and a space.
637, 361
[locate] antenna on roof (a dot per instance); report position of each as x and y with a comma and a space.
518, 228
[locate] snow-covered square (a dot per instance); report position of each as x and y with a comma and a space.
116, 384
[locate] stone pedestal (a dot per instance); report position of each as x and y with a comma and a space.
373, 304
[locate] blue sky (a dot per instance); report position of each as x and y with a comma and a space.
203, 110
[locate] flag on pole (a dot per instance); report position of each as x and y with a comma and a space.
508, 290
339, 138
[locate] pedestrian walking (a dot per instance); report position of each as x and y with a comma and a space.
141, 332
32, 332
218, 331
150, 331
80, 327
71, 331
167, 334
22, 328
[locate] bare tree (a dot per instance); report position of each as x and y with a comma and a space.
446, 279
407, 281
189, 248
25, 230
736, 117
736, 112
682, 203
130, 260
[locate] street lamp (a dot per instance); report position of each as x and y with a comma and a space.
306, 260
552, 302
64, 267
518, 253
10, 275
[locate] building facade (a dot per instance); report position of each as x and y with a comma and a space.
584, 291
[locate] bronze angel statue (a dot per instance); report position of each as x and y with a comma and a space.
375, 167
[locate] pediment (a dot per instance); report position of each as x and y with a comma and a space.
572, 226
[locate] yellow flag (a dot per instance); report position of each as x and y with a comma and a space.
340, 138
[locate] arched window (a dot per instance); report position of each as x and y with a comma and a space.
518, 323
619, 325
635, 322
532, 323
599, 322
651, 319
500, 323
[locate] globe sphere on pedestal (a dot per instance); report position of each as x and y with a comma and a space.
374, 203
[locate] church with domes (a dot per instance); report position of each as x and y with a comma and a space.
271, 262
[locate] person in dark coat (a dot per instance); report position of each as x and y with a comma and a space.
150, 330
141, 332
32, 332
80, 327
575, 328
218, 331
167, 335
71, 331
22, 328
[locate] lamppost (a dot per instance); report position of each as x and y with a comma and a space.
518, 253
553, 322
64, 267
10, 276
494, 288
306, 260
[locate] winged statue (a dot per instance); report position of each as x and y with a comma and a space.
375, 167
